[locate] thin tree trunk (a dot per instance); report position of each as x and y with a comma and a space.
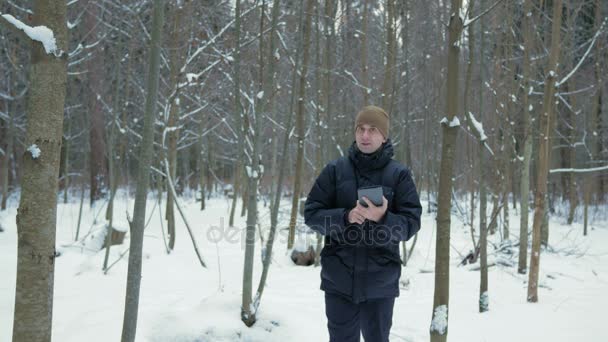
97, 158
112, 174
596, 114
544, 151
405, 79
390, 55
364, 67
82, 192
330, 43
37, 212
66, 162
249, 304
143, 174
483, 198
300, 126
586, 198
7, 157
318, 118
238, 112
202, 166
439, 325
466, 101
483, 236
524, 191
544, 227
509, 102
177, 33
274, 210
245, 196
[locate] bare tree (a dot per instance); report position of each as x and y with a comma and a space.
524, 190
129, 327
300, 125
97, 159
439, 324
267, 103
544, 150
389, 63
238, 112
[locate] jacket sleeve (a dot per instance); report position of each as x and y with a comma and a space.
320, 213
403, 221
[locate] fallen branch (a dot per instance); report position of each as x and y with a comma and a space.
181, 213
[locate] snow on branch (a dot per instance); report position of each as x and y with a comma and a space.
213, 39
478, 127
40, 34
599, 31
592, 169
454, 123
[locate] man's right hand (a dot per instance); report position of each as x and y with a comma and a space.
356, 214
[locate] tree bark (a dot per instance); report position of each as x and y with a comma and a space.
544, 151
178, 31
97, 160
439, 332
238, 113
389, 61
7, 157
300, 126
364, 68
269, 85
524, 190
37, 212
143, 174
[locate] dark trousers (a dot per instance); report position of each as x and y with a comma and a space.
346, 320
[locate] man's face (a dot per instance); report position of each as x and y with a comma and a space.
368, 138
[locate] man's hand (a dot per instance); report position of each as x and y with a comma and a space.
360, 213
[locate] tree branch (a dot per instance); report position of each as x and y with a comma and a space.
470, 21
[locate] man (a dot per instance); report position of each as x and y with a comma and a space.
361, 265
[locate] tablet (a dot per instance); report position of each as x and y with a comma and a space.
373, 193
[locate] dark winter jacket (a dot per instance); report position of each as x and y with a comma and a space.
362, 261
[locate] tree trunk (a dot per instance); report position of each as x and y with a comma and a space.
203, 168
7, 157
544, 151
466, 101
405, 79
97, 158
274, 210
524, 190
238, 112
37, 212
364, 67
143, 174
300, 126
254, 173
318, 119
111, 156
389, 61
439, 325
178, 31
66, 162
596, 115
483, 236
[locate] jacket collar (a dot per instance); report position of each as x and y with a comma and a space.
371, 161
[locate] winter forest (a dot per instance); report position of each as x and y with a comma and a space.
155, 157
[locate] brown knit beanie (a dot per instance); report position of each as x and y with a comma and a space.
373, 116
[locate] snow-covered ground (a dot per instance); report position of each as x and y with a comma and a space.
181, 301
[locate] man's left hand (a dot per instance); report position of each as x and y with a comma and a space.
372, 212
